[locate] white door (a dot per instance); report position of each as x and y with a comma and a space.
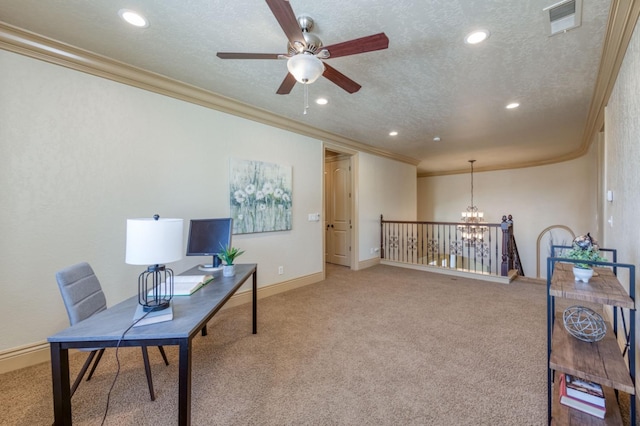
338, 214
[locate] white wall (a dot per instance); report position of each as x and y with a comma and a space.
537, 197
622, 157
81, 154
386, 187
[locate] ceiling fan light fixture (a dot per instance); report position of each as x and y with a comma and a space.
306, 68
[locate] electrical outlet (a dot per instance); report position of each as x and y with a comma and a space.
280, 270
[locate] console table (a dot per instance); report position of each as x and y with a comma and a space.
190, 316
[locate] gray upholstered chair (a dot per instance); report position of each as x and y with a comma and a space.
83, 297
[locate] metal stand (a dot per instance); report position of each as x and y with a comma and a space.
154, 292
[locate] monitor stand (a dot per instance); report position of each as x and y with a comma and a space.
215, 266
209, 268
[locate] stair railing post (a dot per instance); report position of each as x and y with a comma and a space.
381, 237
506, 240
512, 248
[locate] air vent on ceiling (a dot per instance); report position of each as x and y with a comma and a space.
563, 16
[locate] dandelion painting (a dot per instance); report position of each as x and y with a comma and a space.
260, 196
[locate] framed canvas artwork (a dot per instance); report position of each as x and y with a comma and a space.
260, 196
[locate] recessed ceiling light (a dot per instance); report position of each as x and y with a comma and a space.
512, 105
393, 133
436, 139
322, 101
134, 18
477, 36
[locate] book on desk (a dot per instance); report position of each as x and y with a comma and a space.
186, 285
183, 285
151, 317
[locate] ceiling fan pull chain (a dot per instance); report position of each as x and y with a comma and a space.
306, 97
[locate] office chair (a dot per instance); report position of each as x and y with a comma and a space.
83, 297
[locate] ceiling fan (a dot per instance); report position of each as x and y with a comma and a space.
305, 51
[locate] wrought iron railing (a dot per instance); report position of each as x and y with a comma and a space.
491, 250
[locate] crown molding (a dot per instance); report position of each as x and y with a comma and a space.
623, 17
17, 40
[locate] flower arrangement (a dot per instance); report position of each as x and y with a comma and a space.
228, 254
585, 248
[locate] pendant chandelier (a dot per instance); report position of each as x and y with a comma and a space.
473, 230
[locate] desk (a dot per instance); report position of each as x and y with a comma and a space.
190, 316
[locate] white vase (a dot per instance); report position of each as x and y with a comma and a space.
228, 270
583, 275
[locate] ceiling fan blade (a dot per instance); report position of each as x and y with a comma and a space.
359, 45
283, 12
233, 55
340, 79
287, 84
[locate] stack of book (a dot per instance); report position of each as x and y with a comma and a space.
582, 395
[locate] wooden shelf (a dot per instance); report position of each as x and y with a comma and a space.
603, 288
599, 362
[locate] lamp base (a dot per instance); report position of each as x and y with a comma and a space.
156, 305
155, 288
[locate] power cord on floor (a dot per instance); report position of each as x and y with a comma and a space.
106, 410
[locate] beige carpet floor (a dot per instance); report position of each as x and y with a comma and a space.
382, 346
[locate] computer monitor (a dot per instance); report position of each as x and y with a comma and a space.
207, 237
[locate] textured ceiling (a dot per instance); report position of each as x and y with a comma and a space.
428, 82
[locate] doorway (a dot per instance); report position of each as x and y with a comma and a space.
338, 211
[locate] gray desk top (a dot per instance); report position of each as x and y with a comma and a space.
189, 312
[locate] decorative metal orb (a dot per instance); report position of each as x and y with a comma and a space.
584, 324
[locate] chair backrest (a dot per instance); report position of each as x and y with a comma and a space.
81, 292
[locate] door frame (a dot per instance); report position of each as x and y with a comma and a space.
353, 161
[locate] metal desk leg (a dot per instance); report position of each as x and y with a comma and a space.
61, 384
184, 383
255, 301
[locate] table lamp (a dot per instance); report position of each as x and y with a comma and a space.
154, 241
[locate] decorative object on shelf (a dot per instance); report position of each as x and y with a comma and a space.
582, 274
584, 324
472, 231
228, 255
584, 247
154, 241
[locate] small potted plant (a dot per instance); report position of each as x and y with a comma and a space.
584, 248
228, 255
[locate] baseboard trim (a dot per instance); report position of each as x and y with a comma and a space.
270, 290
35, 353
24, 356
363, 264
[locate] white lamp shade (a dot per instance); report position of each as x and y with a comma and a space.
305, 67
154, 242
